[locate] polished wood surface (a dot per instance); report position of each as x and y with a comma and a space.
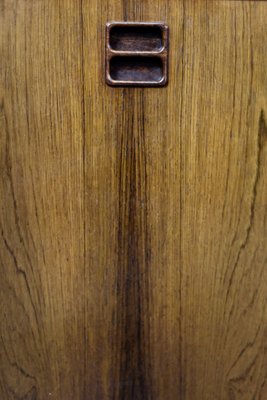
133, 247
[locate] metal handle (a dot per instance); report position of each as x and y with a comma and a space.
137, 53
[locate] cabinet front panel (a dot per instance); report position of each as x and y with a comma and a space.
133, 221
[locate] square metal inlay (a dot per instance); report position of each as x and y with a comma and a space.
137, 53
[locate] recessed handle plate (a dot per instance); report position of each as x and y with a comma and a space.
137, 53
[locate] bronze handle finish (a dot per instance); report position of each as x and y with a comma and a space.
137, 53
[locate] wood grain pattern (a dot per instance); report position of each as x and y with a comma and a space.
133, 248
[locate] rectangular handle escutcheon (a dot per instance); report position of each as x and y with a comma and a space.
136, 54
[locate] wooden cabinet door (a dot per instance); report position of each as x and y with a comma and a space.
133, 221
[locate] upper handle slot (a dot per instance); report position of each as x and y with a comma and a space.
136, 38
